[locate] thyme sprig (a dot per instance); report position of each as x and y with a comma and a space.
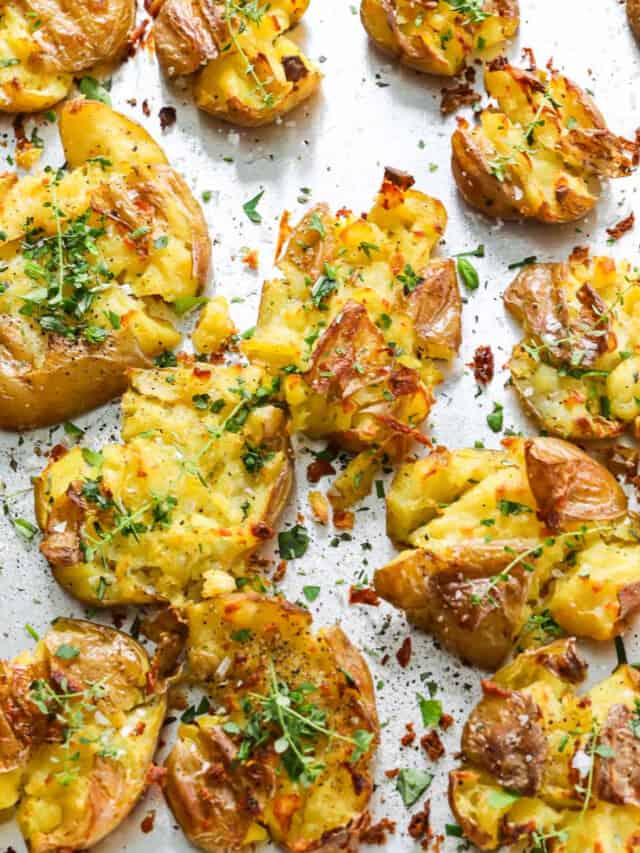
288, 717
237, 14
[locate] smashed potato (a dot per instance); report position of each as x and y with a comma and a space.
439, 38
633, 14
292, 733
541, 152
246, 70
43, 43
92, 256
577, 369
546, 769
202, 474
80, 722
355, 323
511, 545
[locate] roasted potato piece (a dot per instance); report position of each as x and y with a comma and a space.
525, 542
307, 784
356, 321
92, 256
576, 371
439, 37
541, 152
43, 43
80, 723
633, 14
246, 69
542, 765
200, 478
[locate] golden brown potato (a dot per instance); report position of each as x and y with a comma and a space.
541, 152
355, 323
633, 14
80, 721
307, 787
246, 69
44, 43
201, 477
522, 543
93, 257
439, 37
576, 371
545, 766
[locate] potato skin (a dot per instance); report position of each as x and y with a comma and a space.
74, 378
633, 14
228, 810
104, 656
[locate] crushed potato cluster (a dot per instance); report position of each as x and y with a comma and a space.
356, 323
202, 474
546, 768
439, 38
541, 152
577, 369
293, 730
246, 69
43, 43
511, 546
80, 727
93, 256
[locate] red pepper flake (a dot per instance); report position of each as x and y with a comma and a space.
408, 738
343, 519
136, 38
483, 365
363, 595
420, 826
391, 774
403, 654
446, 721
148, 821
58, 452
262, 531
626, 224
118, 617
167, 117
458, 96
250, 259
318, 469
432, 745
280, 572
201, 372
146, 109
156, 775
377, 834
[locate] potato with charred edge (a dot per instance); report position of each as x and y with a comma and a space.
633, 14
245, 69
512, 545
545, 768
93, 256
292, 738
44, 43
576, 371
356, 322
439, 37
80, 720
541, 152
201, 477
